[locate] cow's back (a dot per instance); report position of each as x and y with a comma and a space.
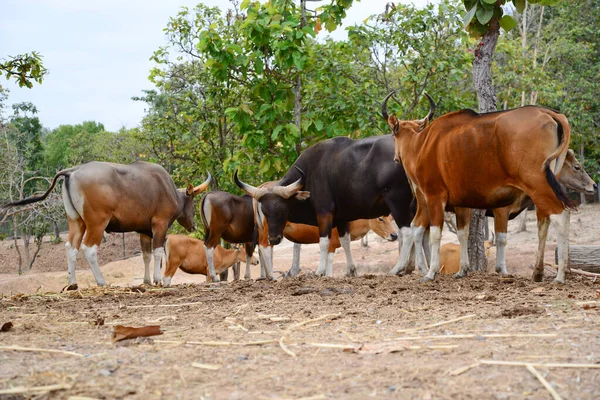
352, 174
131, 195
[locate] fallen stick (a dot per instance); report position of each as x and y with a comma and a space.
167, 305
583, 303
352, 347
285, 348
542, 365
437, 324
37, 350
477, 335
36, 389
544, 382
585, 273
212, 367
462, 370
309, 321
210, 343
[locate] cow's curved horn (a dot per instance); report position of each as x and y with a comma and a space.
384, 106
288, 191
251, 190
301, 172
200, 188
431, 109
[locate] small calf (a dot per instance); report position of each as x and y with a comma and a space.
188, 254
450, 257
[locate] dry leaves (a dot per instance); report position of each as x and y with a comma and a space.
121, 332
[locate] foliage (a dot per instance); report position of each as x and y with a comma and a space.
481, 14
25, 68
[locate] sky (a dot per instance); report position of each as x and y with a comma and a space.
97, 53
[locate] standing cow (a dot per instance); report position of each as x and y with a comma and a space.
485, 161
139, 197
342, 180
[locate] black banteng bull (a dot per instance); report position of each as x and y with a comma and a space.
342, 180
140, 197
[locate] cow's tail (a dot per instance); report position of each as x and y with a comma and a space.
203, 217
34, 199
554, 163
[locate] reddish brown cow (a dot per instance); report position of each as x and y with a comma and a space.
307, 234
230, 217
470, 160
140, 197
188, 254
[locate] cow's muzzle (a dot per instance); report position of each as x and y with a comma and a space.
393, 237
274, 241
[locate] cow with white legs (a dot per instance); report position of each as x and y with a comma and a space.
332, 183
139, 197
231, 218
485, 161
188, 254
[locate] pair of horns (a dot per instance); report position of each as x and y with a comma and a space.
386, 116
194, 191
283, 191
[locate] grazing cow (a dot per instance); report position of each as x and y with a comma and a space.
343, 180
188, 254
139, 197
470, 160
306, 234
230, 217
450, 257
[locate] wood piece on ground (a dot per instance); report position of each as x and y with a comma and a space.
541, 365
212, 367
544, 382
585, 273
310, 321
38, 350
285, 348
462, 370
584, 257
437, 324
121, 332
36, 389
212, 343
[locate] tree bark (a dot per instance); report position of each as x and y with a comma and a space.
581, 160
15, 224
486, 97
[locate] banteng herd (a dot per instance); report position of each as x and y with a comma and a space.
338, 190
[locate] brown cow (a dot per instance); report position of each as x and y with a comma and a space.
470, 160
139, 197
231, 218
307, 234
187, 254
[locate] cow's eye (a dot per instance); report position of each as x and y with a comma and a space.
577, 168
380, 219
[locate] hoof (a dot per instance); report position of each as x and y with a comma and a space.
557, 281
147, 282
351, 274
247, 278
72, 286
425, 279
459, 276
537, 277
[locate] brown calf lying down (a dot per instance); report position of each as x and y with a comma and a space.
306, 234
187, 254
450, 257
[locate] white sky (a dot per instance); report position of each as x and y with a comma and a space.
97, 53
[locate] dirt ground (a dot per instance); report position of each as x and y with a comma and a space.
374, 336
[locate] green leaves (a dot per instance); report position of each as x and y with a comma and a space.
25, 68
507, 22
484, 14
520, 5
470, 14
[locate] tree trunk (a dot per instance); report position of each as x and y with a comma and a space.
523, 221
298, 89
486, 97
26, 251
56, 231
584, 257
15, 224
581, 160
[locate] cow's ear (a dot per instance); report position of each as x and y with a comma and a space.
571, 153
423, 124
394, 124
189, 190
302, 195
